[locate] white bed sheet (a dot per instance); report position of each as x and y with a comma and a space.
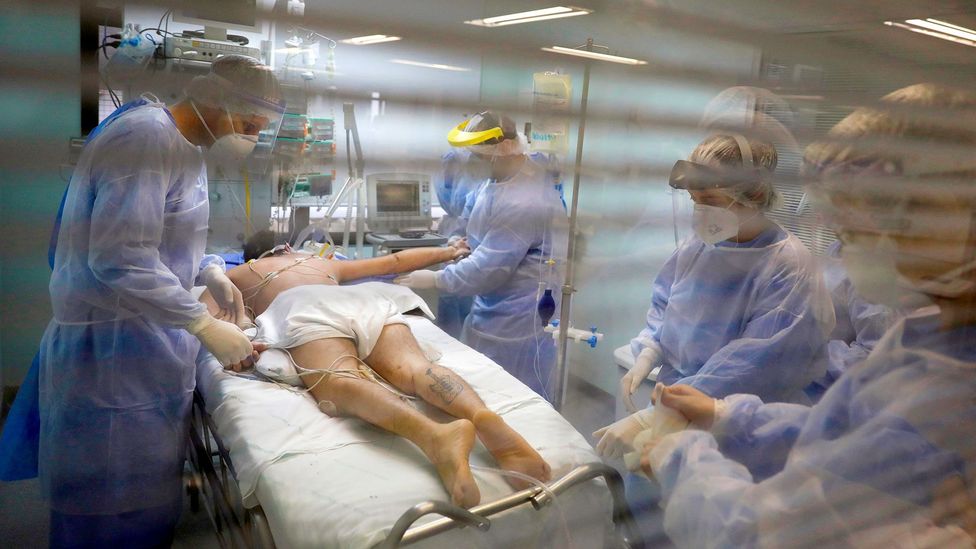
333, 482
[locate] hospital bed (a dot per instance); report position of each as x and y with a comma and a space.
273, 471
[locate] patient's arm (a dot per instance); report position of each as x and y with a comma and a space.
400, 262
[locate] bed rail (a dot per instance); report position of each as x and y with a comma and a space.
404, 533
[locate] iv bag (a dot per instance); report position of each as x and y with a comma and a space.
551, 96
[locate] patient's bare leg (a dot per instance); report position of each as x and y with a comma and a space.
399, 359
446, 445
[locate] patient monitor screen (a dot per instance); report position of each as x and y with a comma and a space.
397, 196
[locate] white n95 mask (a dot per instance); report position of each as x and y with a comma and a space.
228, 153
876, 278
713, 224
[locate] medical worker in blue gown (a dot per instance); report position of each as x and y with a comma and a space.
518, 234
887, 458
858, 328
462, 173
739, 306
859, 323
117, 361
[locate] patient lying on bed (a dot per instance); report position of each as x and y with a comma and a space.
359, 359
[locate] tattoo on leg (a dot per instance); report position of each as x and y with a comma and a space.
445, 387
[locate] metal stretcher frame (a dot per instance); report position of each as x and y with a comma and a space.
215, 480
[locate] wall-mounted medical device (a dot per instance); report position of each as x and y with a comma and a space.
398, 202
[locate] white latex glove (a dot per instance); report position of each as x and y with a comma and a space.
418, 280
226, 341
644, 442
662, 422
618, 438
646, 360
225, 294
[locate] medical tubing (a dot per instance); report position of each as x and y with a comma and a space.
267, 278
541, 485
244, 208
544, 282
247, 202
348, 373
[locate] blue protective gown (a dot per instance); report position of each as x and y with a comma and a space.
746, 317
20, 438
456, 187
116, 366
860, 324
460, 175
514, 227
861, 465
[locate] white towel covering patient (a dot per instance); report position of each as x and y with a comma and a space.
310, 312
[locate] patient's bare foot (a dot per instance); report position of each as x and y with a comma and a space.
448, 449
511, 451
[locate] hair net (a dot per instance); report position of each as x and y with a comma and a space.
923, 128
723, 150
239, 84
760, 115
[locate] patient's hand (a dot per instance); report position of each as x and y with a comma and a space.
249, 362
461, 249
695, 405
952, 504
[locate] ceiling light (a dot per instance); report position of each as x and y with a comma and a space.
945, 28
555, 12
938, 29
371, 39
595, 55
429, 65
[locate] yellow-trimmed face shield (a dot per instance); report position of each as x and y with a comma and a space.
457, 137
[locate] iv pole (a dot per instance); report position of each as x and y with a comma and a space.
562, 373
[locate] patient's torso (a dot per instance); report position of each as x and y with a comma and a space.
262, 280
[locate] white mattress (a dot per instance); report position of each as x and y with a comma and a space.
331, 482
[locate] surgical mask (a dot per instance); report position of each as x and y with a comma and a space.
882, 282
227, 154
713, 224
875, 276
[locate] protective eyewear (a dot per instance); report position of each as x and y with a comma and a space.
458, 137
691, 176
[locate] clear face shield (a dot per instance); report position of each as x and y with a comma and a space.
246, 152
263, 119
464, 134
687, 177
495, 147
